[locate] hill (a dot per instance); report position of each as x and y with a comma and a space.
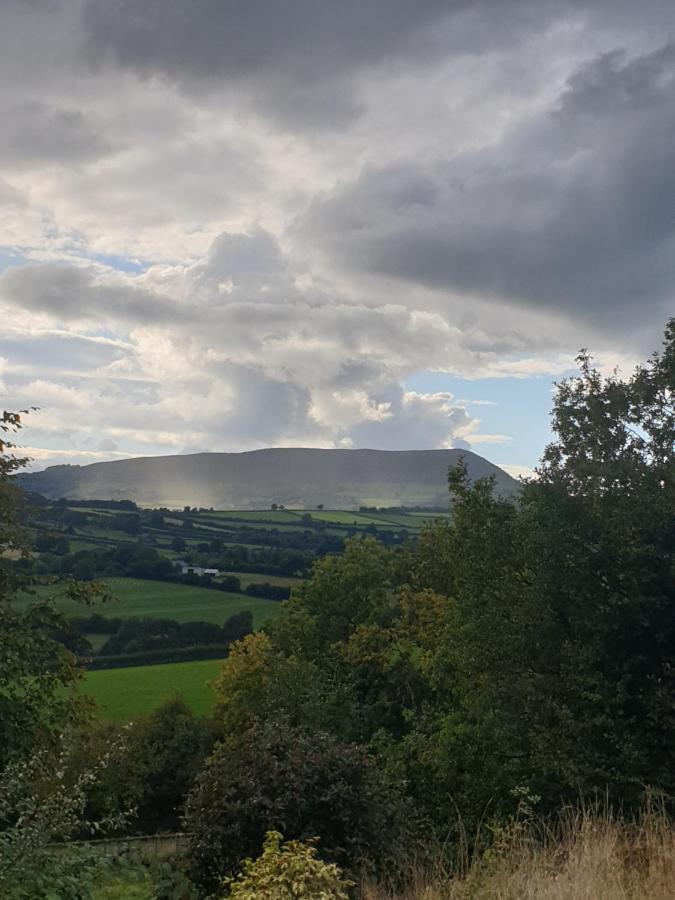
295, 477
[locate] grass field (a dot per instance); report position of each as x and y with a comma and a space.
124, 693
163, 600
274, 516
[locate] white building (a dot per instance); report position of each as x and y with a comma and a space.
187, 569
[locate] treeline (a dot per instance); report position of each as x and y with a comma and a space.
142, 641
140, 559
133, 560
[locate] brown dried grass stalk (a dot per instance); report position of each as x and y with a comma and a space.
587, 854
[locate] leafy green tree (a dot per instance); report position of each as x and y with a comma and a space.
603, 510
559, 655
42, 801
168, 747
35, 669
278, 775
162, 753
343, 592
42, 794
526, 645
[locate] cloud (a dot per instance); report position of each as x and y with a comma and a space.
271, 361
35, 133
571, 211
69, 293
296, 59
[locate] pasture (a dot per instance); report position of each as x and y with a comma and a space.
135, 597
122, 694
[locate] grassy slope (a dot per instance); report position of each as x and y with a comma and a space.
183, 603
125, 693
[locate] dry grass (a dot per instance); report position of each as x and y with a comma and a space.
586, 855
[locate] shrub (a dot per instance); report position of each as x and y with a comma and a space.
278, 776
268, 591
288, 872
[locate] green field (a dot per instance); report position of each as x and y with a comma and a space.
124, 693
163, 600
274, 516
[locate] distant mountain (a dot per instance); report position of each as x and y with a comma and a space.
299, 478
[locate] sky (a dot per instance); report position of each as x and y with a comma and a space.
372, 223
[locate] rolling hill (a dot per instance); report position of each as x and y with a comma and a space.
296, 477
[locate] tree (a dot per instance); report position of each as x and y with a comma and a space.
282, 775
560, 652
178, 544
42, 795
343, 592
604, 517
35, 669
42, 801
166, 749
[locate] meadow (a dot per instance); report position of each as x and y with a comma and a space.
122, 694
135, 597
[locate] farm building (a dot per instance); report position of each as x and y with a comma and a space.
187, 569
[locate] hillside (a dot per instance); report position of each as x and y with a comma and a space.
300, 478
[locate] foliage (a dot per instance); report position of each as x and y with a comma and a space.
289, 871
163, 752
43, 800
277, 776
269, 591
345, 590
146, 640
524, 645
136, 886
171, 883
35, 669
561, 647
167, 748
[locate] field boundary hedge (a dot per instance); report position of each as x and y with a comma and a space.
153, 657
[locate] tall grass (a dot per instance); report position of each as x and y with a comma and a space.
586, 854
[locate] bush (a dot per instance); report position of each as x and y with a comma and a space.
281, 776
288, 872
229, 583
268, 591
152, 775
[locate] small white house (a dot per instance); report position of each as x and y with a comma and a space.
187, 569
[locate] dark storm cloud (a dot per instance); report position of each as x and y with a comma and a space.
300, 60
226, 38
574, 210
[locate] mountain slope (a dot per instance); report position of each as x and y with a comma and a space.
296, 477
